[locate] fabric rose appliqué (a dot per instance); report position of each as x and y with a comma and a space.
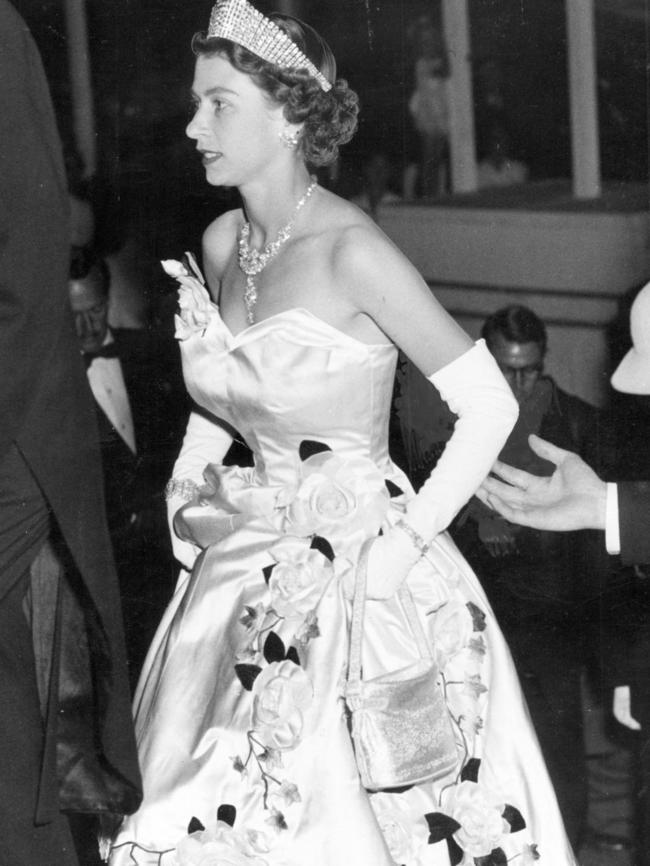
195, 306
341, 499
281, 694
474, 821
220, 845
299, 577
480, 815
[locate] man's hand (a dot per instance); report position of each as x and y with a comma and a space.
621, 708
573, 497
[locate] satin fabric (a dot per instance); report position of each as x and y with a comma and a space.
282, 381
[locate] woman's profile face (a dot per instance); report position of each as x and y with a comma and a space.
235, 125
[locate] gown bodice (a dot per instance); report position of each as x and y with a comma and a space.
289, 378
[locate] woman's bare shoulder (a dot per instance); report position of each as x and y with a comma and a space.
360, 253
364, 270
219, 238
346, 228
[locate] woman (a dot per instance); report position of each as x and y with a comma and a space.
242, 729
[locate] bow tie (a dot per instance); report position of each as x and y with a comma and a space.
108, 351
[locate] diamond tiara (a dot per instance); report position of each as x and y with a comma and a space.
240, 22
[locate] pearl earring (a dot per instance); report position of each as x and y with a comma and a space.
289, 139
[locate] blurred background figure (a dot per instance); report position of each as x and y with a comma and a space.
66, 737
377, 184
82, 217
498, 167
136, 383
490, 110
429, 106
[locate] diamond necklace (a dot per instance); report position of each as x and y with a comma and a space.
253, 262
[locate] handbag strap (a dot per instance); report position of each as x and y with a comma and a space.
356, 628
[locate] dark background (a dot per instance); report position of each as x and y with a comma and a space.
149, 180
142, 68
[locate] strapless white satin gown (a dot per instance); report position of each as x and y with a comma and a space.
239, 704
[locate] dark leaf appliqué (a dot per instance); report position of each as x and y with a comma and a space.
195, 826
274, 648
247, 674
455, 851
514, 818
441, 826
469, 773
323, 546
309, 447
227, 813
275, 651
292, 655
393, 489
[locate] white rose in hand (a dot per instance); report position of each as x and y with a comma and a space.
195, 305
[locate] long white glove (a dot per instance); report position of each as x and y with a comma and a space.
204, 442
474, 389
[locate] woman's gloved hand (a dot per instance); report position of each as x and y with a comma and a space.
475, 390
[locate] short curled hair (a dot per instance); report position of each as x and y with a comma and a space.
85, 260
328, 120
516, 324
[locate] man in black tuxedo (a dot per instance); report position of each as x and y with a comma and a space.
574, 497
136, 384
50, 482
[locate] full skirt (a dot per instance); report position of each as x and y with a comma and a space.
243, 731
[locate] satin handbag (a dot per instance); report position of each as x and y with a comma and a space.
400, 724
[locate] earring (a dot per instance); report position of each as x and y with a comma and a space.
289, 139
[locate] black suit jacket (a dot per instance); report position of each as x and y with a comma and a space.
45, 404
159, 402
134, 483
634, 521
550, 575
630, 663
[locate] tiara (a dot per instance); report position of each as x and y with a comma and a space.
240, 22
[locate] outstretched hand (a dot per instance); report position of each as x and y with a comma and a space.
573, 497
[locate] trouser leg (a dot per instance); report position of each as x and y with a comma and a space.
22, 841
548, 663
24, 526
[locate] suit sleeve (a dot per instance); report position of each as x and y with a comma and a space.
33, 228
634, 521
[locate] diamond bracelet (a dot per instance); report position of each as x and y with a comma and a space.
184, 488
415, 537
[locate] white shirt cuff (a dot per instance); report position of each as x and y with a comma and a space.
612, 532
